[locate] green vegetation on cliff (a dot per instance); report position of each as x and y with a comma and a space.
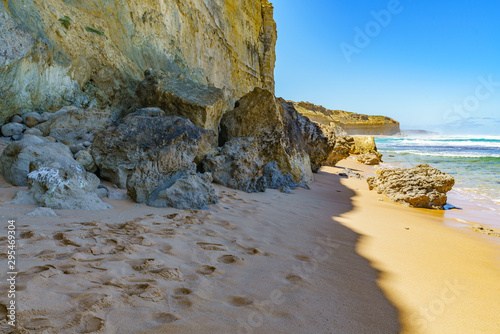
352, 123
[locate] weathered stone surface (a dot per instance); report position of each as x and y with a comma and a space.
16, 119
351, 123
371, 158
62, 188
116, 195
237, 165
12, 129
16, 158
203, 105
76, 125
228, 44
364, 144
261, 116
421, 186
34, 132
31, 119
170, 143
85, 159
43, 212
182, 189
273, 178
316, 144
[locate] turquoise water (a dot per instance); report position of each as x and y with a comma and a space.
473, 161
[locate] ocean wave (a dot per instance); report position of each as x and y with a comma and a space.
443, 143
485, 155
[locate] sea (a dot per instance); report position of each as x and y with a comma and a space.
474, 162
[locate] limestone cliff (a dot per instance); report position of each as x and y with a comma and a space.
93, 53
352, 123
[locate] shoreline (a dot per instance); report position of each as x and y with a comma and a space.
441, 279
333, 257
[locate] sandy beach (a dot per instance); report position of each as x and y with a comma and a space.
333, 259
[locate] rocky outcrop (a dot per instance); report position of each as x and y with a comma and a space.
371, 158
16, 158
62, 188
203, 105
168, 143
72, 125
342, 144
363, 144
93, 54
237, 165
181, 190
365, 150
281, 133
421, 186
351, 123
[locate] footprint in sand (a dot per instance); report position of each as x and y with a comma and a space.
240, 301
302, 257
183, 291
38, 324
229, 259
165, 318
212, 247
90, 324
206, 270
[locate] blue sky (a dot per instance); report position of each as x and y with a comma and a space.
424, 63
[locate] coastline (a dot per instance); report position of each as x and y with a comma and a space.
441, 279
330, 258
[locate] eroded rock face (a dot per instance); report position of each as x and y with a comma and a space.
203, 105
237, 165
363, 144
316, 144
62, 188
96, 54
16, 158
342, 144
72, 125
280, 134
370, 158
169, 143
421, 186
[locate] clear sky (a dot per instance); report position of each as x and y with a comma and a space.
424, 63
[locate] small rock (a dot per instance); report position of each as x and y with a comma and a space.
381, 199
286, 190
45, 116
52, 139
44, 212
31, 121
85, 159
87, 144
116, 195
17, 137
12, 129
101, 193
16, 119
35, 115
76, 148
34, 132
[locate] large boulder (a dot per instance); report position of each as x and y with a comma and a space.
177, 96
170, 143
342, 144
184, 189
422, 186
364, 144
280, 133
237, 165
72, 125
370, 158
316, 144
16, 158
62, 188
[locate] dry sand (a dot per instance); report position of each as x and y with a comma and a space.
333, 259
